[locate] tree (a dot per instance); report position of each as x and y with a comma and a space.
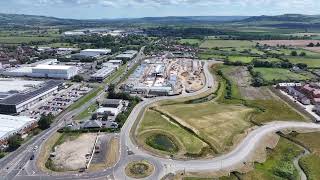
310, 45
302, 54
94, 116
45, 121
14, 142
77, 78
294, 53
105, 117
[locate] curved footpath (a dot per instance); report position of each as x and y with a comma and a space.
164, 166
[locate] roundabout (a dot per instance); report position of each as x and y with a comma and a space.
139, 169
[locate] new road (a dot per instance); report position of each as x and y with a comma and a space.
163, 166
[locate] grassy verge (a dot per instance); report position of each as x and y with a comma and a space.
85, 99
310, 163
45, 151
88, 112
279, 164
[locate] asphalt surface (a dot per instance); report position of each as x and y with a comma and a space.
162, 166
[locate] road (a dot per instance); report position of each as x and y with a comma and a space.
162, 166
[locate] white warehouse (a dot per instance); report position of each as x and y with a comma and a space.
54, 71
44, 71
95, 52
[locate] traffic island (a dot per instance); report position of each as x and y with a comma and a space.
139, 169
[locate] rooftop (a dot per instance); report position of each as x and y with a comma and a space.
52, 67
17, 98
11, 124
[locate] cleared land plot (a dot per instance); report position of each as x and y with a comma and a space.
270, 74
71, 154
155, 123
297, 43
241, 77
226, 43
279, 164
217, 123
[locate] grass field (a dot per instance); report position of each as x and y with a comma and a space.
226, 43
210, 121
19, 39
190, 41
244, 59
279, 164
311, 62
270, 74
154, 123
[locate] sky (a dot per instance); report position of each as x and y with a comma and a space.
100, 9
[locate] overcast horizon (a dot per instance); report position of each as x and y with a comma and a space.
111, 9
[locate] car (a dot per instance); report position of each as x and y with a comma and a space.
82, 170
32, 157
35, 148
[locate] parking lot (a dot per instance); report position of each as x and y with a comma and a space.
59, 101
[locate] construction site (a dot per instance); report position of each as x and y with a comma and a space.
160, 76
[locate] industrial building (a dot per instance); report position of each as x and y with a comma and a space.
116, 62
95, 52
11, 125
101, 74
18, 96
127, 55
44, 69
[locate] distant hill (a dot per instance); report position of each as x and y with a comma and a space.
281, 21
284, 18
291, 21
31, 20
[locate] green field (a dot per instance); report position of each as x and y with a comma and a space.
19, 40
270, 74
226, 43
210, 120
279, 164
311, 62
190, 41
154, 123
243, 59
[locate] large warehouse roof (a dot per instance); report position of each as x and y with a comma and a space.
53, 67
7, 85
18, 98
12, 124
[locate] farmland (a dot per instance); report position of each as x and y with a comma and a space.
190, 41
226, 43
22, 39
270, 74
